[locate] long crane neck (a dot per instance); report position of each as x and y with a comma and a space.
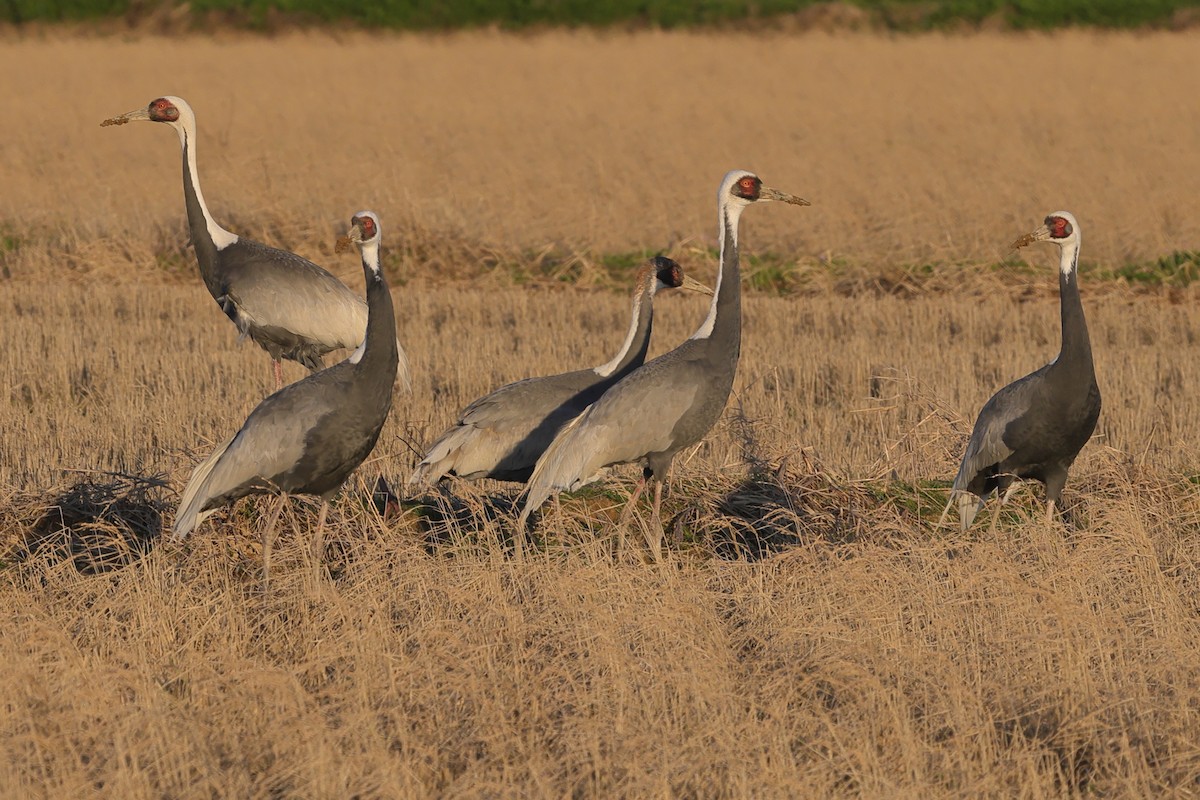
208, 238
380, 352
637, 341
1076, 352
723, 326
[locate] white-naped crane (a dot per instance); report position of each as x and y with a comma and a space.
669, 403
502, 435
309, 436
288, 305
1033, 428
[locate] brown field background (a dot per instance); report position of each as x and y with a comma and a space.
813, 633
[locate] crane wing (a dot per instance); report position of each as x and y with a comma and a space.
633, 419
273, 288
503, 433
987, 446
270, 443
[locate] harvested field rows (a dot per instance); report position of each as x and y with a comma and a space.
813, 633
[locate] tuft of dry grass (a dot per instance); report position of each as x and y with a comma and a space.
813, 632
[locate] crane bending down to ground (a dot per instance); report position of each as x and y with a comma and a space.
669, 403
289, 306
502, 435
309, 436
1035, 427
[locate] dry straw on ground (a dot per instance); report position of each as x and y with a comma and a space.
813, 634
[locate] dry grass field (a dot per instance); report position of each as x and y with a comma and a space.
813, 632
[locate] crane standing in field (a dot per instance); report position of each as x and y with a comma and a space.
669, 403
1035, 427
501, 435
309, 436
289, 306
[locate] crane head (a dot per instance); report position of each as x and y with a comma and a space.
364, 230
169, 109
1059, 227
670, 275
744, 187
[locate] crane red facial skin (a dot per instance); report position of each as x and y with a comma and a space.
676, 275
163, 110
1059, 227
367, 225
748, 188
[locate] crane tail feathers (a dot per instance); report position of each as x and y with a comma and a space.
564, 465
442, 456
195, 494
403, 375
423, 475
968, 506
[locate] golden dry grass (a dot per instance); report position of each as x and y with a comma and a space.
911, 148
813, 634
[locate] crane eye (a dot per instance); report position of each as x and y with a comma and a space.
748, 187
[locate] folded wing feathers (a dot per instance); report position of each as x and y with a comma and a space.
442, 455
195, 493
566, 461
403, 376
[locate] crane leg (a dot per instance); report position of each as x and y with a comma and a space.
278, 373
268, 534
655, 534
318, 540
519, 536
630, 504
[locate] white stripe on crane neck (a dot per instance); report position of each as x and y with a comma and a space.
1068, 256
728, 218
604, 370
370, 255
187, 139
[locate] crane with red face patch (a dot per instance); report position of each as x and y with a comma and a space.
1034, 428
286, 304
309, 436
669, 403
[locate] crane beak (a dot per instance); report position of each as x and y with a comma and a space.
1039, 235
132, 116
693, 285
353, 236
767, 193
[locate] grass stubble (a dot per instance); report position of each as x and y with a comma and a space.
812, 633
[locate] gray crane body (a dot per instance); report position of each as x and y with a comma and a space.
673, 401
309, 436
287, 305
502, 435
1034, 428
